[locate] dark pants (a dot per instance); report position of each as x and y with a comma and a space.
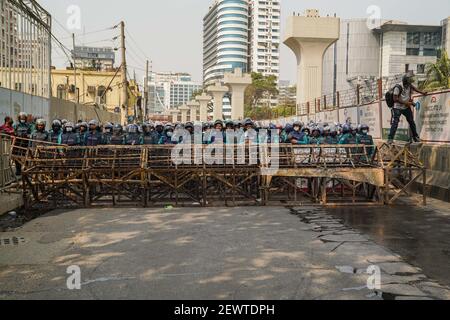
396, 114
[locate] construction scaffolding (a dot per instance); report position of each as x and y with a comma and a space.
25, 47
153, 176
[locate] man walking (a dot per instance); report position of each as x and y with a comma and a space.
403, 106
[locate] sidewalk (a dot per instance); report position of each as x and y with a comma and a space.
10, 202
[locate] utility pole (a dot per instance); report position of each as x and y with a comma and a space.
124, 95
77, 97
145, 105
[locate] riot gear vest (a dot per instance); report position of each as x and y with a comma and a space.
151, 138
116, 140
22, 130
55, 137
93, 139
40, 136
70, 139
133, 139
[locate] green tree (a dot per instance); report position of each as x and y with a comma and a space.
262, 87
196, 93
438, 74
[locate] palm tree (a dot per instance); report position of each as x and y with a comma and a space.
438, 74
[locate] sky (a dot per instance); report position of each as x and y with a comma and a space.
169, 33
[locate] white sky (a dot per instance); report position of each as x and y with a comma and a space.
169, 32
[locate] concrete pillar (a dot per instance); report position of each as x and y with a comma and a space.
193, 107
184, 109
203, 100
218, 92
309, 37
237, 82
174, 114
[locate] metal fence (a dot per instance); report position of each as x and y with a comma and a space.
364, 93
25, 49
7, 175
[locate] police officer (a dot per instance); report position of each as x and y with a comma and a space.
82, 132
150, 136
331, 135
217, 134
297, 136
93, 137
366, 139
133, 137
316, 137
56, 132
107, 133
349, 135
166, 138
40, 134
21, 130
117, 138
69, 137
159, 127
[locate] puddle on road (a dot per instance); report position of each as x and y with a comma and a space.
417, 234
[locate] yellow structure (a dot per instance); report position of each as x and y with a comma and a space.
101, 88
91, 87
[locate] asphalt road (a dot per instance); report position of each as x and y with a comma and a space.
220, 253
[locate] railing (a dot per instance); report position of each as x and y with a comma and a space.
7, 175
208, 175
367, 92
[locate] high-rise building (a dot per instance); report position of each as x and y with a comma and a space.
355, 56
225, 39
99, 59
264, 27
363, 54
288, 93
168, 90
225, 42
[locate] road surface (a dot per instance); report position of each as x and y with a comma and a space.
204, 253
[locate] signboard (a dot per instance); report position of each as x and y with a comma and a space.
349, 116
370, 115
433, 118
330, 117
403, 126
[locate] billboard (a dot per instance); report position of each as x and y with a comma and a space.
433, 117
370, 115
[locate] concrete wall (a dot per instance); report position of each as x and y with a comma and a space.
362, 54
62, 109
13, 102
437, 161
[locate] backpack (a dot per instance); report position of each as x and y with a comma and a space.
390, 96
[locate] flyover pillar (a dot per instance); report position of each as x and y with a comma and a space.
184, 109
309, 37
237, 82
218, 91
193, 107
174, 114
203, 100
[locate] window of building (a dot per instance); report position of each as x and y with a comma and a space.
430, 52
101, 93
61, 92
420, 68
412, 51
413, 38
